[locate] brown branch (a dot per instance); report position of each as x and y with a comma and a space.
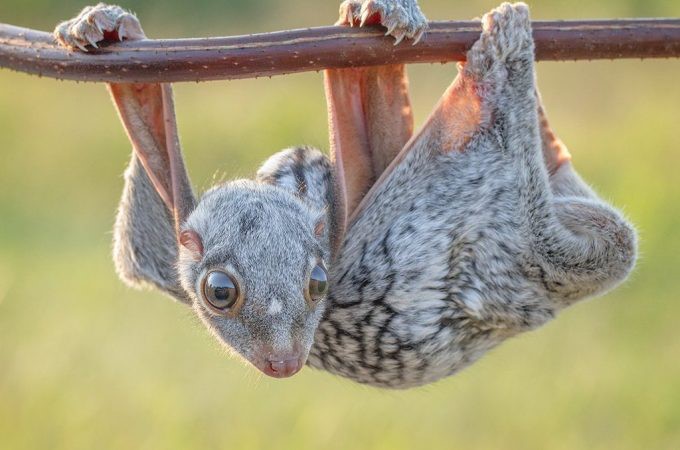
284, 52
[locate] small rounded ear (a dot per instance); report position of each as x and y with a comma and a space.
320, 227
190, 240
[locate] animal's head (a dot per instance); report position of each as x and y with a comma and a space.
252, 261
248, 257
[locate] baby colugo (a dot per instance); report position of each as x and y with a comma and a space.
425, 250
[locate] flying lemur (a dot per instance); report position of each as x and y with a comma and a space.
402, 258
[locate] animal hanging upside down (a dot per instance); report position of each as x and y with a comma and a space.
403, 258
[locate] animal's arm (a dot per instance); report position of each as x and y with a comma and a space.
144, 244
154, 202
369, 111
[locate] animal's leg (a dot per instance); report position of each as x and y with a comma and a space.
145, 245
369, 111
370, 120
579, 245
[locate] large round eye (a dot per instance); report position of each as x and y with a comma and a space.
220, 290
318, 284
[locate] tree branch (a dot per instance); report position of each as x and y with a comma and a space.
284, 52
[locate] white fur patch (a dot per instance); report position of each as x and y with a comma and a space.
274, 308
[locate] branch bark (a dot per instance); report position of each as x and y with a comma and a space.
283, 52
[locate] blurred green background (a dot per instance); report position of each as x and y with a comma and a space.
87, 363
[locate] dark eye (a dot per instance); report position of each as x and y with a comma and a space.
220, 290
318, 284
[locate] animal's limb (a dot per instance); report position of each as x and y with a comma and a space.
369, 111
582, 244
157, 196
145, 250
370, 121
249, 257
157, 199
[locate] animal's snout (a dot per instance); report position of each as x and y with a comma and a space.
282, 367
279, 362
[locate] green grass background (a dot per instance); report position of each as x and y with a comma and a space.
87, 363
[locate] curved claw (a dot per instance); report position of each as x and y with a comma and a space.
364, 17
92, 42
121, 30
80, 46
419, 35
390, 29
98, 26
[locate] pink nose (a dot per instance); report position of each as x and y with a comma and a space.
282, 368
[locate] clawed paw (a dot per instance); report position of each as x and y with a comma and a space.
507, 30
402, 18
98, 23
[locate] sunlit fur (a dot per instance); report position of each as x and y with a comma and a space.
468, 242
457, 250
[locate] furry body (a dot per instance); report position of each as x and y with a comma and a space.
477, 230
467, 242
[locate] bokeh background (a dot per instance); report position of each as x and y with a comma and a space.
87, 363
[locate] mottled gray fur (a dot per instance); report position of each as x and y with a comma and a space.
456, 251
